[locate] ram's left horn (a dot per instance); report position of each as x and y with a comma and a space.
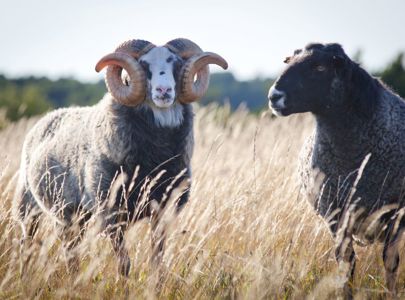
126, 57
196, 63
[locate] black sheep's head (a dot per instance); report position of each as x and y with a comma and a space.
312, 81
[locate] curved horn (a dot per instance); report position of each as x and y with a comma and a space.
196, 63
135, 48
125, 57
183, 48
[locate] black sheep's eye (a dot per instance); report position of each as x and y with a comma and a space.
320, 68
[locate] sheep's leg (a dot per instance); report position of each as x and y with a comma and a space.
157, 243
26, 213
158, 227
70, 241
30, 225
346, 259
72, 235
157, 240
391, 259
118, 242
27, 216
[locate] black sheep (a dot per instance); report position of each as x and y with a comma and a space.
353, 167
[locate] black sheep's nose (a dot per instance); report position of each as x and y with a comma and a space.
275, 95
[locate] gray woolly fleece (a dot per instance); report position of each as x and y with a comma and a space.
334, 153
74, 154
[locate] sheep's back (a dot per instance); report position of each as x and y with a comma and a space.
53, 155
328, 172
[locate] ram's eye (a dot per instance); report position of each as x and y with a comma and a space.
145, 66
320, 68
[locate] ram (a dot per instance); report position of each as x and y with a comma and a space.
353, 167
142, 128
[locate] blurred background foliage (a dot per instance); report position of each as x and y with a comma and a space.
394, 75
29, 96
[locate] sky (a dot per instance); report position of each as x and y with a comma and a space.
66, 38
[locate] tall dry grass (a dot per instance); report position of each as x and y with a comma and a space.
246, 232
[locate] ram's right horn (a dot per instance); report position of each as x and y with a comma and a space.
126, 57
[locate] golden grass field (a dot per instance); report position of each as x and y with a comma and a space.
246, 233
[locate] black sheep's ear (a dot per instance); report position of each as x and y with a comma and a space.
297, 51
339, 64
338, 61
288, 58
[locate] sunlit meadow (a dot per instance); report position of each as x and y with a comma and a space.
246, 233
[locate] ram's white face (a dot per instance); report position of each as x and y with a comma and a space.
161, 67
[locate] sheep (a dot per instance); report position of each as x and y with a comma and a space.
143, 128
353, 166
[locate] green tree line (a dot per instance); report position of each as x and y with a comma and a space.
29, 96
